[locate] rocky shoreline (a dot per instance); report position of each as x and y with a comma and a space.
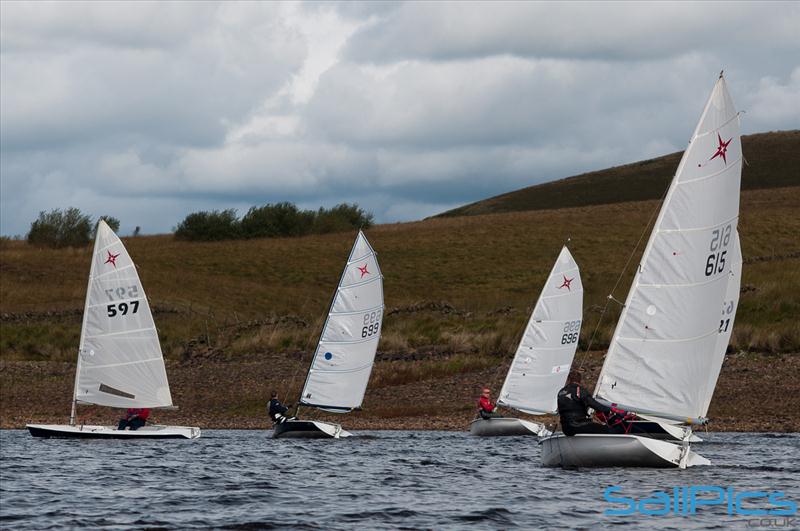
755, 393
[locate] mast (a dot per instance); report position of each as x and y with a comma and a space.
83, 323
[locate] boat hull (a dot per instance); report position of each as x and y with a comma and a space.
590, 450
65, 431
308, 429
663, 431
505, 427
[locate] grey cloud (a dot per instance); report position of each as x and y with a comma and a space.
617, 31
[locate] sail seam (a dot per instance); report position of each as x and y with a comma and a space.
379, 307
118, 270
111, 334
354, 260
683, 340
343, 371
711, 175
691, 284
357, 284
710, 131
354, 342
150, 360
721, 223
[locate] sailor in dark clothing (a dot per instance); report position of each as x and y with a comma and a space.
277, 411
573, 403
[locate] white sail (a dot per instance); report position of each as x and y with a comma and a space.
729, 307
337, 379
664, 349
545, 353
120, 362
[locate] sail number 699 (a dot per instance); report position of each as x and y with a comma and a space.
371, 324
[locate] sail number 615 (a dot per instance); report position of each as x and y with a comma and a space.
720, 238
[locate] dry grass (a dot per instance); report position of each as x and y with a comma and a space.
481, 276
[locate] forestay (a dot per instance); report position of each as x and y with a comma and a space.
119, 362
345, 354
664, 352
545, 353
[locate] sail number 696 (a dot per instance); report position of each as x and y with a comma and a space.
572, 330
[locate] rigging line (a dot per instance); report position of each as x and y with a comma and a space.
621, 274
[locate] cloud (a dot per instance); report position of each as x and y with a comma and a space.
150, 111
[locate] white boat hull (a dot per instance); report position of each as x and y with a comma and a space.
506, 426
308, 429
85, 431
663, 431
590, 450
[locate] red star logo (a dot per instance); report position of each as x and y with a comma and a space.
112, 259
722, 149
567, 282
363, 270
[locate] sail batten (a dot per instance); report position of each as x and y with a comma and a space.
119, 347
664, 350
346, 350
545, 352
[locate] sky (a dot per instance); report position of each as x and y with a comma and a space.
150, 111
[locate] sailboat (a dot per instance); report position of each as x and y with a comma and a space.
544, 355
120, 364
342, 362
666, 352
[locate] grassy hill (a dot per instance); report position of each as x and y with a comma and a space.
238, 318
773, 161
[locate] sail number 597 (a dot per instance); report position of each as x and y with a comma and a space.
372, 324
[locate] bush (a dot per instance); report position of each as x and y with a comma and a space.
271, 221
280, 219
341, 218
112, 222
70, 228
209, 226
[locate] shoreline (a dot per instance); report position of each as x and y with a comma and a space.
235, 392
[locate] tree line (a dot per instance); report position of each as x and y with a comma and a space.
72, 228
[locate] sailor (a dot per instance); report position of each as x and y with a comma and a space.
277, 411
134, 419
486, 408
573, 404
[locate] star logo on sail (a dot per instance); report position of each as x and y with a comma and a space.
722, 149
567, 282
112, 259
363, 270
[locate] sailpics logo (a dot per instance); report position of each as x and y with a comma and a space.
693, 499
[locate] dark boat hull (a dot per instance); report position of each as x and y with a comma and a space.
308, 429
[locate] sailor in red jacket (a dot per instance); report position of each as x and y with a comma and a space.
134, 419
486, 408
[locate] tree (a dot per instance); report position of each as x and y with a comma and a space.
209, 226
70, 228
112, 222
279, 219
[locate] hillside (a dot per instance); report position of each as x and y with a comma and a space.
238, 318
773, 161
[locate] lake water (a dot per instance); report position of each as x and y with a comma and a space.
384, 479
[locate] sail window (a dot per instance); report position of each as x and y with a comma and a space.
110, 390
